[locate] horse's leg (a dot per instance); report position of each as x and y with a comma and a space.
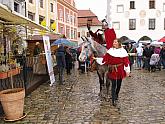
107, 85
103, 78
100, 81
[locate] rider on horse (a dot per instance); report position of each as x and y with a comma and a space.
104, 35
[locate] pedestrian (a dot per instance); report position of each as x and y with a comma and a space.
162, 56
139, 50
117, 60
61, 64
147, 53
131, 54
37, 49
104, 35
69, 60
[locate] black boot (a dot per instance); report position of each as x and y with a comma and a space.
113, 102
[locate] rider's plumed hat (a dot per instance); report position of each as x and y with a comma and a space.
104, 22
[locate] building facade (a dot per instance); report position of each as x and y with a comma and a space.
67, 19
18, 6
61, 12
137, 19
84, 17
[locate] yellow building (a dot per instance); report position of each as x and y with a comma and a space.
57, 15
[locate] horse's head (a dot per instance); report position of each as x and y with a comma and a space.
87, 49
90, 47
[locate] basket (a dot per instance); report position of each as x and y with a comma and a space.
13, 103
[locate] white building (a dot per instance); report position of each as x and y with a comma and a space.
18, 6
137, 18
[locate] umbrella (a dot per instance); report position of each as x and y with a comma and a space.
162, 40
61, 41
129, 41
156, 43
144, 42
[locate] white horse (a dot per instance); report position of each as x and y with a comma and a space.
90, 47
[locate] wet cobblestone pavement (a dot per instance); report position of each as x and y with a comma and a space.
141, 101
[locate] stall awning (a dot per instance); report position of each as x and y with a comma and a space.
10, 17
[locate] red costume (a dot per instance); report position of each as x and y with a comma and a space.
108, 36
118, 60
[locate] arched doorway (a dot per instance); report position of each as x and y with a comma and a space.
145, 38
124, 38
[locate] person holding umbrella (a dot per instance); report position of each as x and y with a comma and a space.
61, 64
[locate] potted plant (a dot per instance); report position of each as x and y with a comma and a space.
4, 71
12, 99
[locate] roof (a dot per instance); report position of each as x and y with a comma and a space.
85, 15
11, 17
40, 37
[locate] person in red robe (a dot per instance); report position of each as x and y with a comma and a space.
118, 62
104, 35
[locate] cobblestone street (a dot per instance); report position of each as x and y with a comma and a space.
141, 101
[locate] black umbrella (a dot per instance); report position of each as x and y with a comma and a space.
128, 41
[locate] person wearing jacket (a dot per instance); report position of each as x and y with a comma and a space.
104, 35
117, 60
61, 64
162, 56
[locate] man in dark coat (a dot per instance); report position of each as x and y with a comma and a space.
104, 35
61, 64
147, 53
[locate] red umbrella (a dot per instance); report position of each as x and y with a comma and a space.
162, 40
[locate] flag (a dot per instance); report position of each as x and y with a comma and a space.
53, 26
43, 23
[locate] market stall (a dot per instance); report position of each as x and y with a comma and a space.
16, 67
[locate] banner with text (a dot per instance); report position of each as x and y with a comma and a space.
49, 59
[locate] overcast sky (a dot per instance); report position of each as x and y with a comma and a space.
98, 7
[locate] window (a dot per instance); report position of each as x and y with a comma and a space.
51, 7
31, 15
41, 18
163, 7
132, 4
16, 7
67, 17
152, 4
74, 20
51, 22
71, 19
68, 33
79, 34
62, 30
164, 23
116, 25
120, 8
30, 1
152, 24
132, 24
72, 34
75, 34
88, 34
61, 14
41, 3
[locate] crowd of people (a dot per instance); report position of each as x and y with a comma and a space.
120, 64
147, 56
